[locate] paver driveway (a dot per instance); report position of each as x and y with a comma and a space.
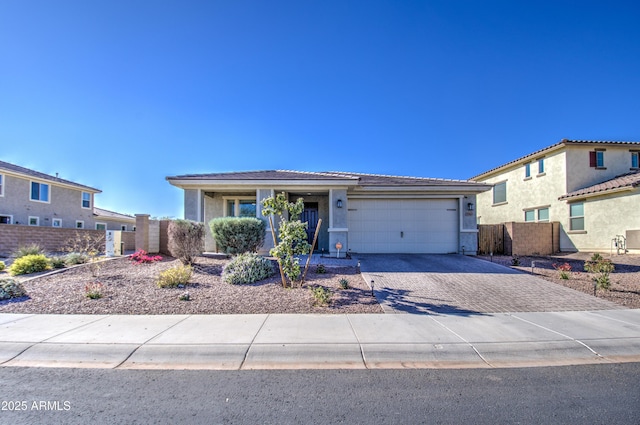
457, 284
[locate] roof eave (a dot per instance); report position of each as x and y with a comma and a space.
569, 198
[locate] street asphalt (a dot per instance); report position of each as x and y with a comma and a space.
477, 333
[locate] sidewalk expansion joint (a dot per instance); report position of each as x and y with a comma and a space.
74, 329
463, 340
246, 353
364, 360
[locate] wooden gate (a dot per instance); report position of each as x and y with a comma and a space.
490, 239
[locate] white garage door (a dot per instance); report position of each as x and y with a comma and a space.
403, 225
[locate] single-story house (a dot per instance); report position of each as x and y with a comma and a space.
364, 213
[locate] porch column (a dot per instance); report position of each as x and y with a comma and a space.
338, 231
262, 194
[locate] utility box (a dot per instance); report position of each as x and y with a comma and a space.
633, 239
113, 243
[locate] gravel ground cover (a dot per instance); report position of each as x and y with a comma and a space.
625, 280
129, 288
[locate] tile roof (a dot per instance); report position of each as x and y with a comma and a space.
37, 174
110, 214
624, 181
554, 146
358, 178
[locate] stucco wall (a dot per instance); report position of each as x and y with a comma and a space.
617, 161
64, 203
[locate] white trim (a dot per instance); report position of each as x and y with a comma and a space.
236, 206
338, 229
82, 200
199, 206
100, 223
330, 209
3, 183
81, 222
37, 220
123, 227
10, 217
31, 182
54, 220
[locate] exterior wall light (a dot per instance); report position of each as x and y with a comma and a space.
339, 203
470, 206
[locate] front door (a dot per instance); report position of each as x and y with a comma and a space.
310, 215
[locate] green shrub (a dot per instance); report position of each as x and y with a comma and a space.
9, 288
32, 249
74, 258
175, 276
29, 264
2, 266
247, 268
321, 269
322, 295
57, 262
344, 283
185, 240
237, 235
602, 268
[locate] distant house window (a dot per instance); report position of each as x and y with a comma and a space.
133, 229
530, 215
541, 166
101, 226
6, 219
56, 222
241, 208
1, 185
34, 221
635, 162
543, 214
576, 214
79, 224
123, 227
527, 170
39, 192
596, 159
86, 200
500, 193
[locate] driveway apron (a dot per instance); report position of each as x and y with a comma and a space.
457, 284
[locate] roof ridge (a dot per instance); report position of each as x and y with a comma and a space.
318, 173
110, 211
41, 175
404, 177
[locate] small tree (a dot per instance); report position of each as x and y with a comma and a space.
292, 234
185, 240
237, 235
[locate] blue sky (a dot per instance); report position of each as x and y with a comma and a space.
118, 95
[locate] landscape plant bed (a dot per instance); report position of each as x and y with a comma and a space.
128, 288
625, 280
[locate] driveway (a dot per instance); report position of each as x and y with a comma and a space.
457, 284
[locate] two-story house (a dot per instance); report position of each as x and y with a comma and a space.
591, 187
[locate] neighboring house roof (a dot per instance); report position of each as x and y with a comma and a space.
42, 176
110, 215
627, 181
559, 145
352, 179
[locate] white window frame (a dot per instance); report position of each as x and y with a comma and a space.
9, 216
600, 159
534, 216
636, 156
48, 201
505, 193
101, 224
36, 218
123, 227
81, 224
527, 170
571, 217
133, 229
236, 206
541, 167
3, 182
538, 215
56, 220
82, 200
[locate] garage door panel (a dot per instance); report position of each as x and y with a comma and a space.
427, 225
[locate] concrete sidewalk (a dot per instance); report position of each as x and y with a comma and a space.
242, 342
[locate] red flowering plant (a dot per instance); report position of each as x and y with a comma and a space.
142, 257
563, 269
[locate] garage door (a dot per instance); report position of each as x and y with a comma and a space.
403, 225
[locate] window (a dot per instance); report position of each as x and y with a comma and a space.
56, 222
123, 227
39, 192
596, 159
6, 219
34, 221
79, 224
530, 215
101, 226
576, 214
1, 185
500, 193
241, 208
543, 214
541, 166
86, 200
527, 171
635, 163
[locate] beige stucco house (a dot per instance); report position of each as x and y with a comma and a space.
365, 213
591, 187
110, 220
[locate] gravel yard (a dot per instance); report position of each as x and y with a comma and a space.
625, 280
130, 288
